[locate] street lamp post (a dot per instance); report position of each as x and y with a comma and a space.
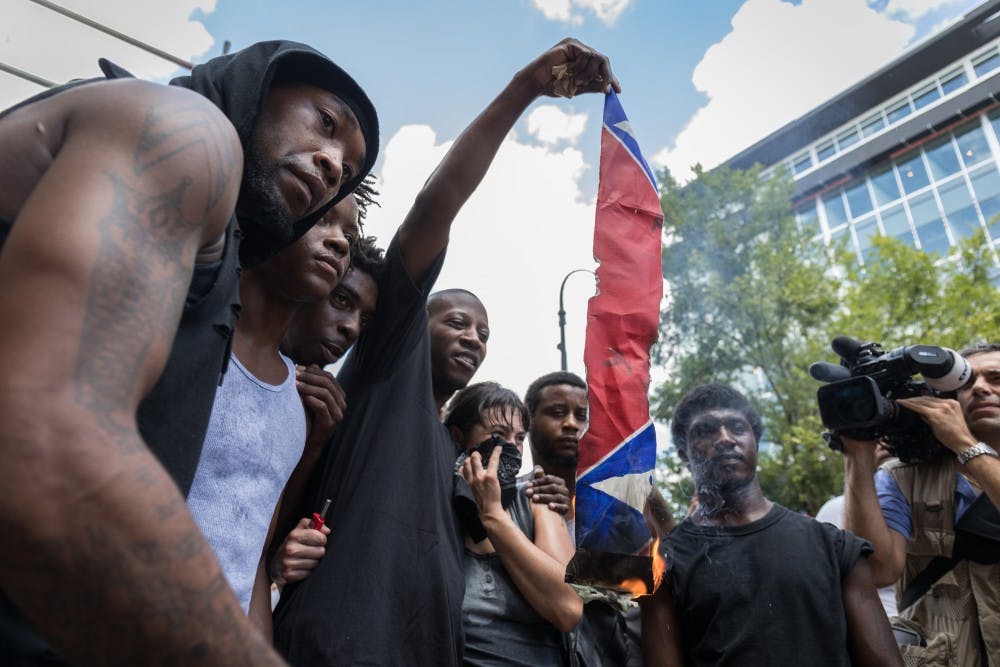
562, 314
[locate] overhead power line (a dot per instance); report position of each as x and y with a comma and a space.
114, 33
27, 76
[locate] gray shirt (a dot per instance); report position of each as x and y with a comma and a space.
501, 628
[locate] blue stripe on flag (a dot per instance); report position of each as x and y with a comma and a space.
616, 122
615, 524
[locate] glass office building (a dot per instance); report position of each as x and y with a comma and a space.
913, 151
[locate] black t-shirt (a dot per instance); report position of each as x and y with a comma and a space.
389, 589
767, 593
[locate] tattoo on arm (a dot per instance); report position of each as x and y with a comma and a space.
170, 132
137, 286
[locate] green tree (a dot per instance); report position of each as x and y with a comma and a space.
903, 296
752, 301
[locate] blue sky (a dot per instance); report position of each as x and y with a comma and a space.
701, 80
440, 62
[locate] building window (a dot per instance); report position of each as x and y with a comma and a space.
847, 138
925, 96
858, 199
912, 173
972, 145
836, 214
896, 225
986, 62
898, 111
801, 163
929, 225
884, 185
807, 219
942, 158
871, 125
995, 122
960, 209
953, 80
986, 183
842, 235
864, 230
825, 151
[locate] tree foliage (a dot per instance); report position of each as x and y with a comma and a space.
752, 301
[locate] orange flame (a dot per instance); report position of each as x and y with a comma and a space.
659, 565
637, 587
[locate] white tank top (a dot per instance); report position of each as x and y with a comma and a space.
255, 438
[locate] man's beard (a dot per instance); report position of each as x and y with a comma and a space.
711, 480
266, 222
562, 461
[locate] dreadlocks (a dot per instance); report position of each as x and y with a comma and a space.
365, 195
367, 257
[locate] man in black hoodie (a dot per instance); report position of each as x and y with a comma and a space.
118, 296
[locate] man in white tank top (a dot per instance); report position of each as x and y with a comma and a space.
258, 428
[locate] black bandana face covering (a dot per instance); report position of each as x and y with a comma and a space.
463, 499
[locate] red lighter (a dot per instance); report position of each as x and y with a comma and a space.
318, 517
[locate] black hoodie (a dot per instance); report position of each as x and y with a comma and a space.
173, 418
236, 84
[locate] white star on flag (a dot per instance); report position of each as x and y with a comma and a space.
630, 489
625, 127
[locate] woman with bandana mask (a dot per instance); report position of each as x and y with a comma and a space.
516, 601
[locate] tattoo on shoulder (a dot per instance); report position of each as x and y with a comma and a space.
170, 131
141, 274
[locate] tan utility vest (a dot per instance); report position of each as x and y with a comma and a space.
964, 604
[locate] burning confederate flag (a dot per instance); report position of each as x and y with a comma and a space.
618, 452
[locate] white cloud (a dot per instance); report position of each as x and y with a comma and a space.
911, 10
57, 48
778, 62
606, 11
556, 10
550, 124
524, 229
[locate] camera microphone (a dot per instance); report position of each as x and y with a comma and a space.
846, 346
827, 372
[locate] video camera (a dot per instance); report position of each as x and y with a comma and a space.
860, 399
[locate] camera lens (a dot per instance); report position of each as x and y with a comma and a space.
853, 405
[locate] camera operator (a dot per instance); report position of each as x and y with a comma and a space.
937, 531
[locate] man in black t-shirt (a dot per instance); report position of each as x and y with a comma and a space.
748, 581
389, 589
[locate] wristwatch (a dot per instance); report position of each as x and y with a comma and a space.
972, 452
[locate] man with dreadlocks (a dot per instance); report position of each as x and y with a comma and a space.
118, 278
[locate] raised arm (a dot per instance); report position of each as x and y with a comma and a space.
863, 515
424, 232
536, 568
98, 547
